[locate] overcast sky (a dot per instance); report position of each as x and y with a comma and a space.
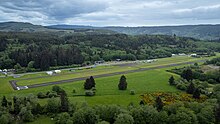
111, 12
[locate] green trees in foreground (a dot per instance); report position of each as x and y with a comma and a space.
4, 102
196, 93
159, 104
187, 74
191, 88
178, 113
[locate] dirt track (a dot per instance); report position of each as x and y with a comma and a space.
14, 82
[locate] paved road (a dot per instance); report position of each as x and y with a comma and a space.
14, 85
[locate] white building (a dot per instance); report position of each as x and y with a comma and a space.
173, 54
57, 71
182, 54
49, 72
193, 55
149, 61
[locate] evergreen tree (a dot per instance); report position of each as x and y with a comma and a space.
141, 102
187, 74
64, 102
4, 102
26, 115
190, 89
87, 84
172, 80
45, 60
3, 44
53, 105
37, 109
57, 89
122, 83
217, 113
159, 104
16, 105
196, 93
92, 81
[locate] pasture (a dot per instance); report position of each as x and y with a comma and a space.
107, 87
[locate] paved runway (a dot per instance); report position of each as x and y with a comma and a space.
14, 82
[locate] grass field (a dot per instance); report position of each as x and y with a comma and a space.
141, 82
100, 70
107, 90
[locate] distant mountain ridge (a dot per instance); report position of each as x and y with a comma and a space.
204, 32
28, 27
63, 26
208, 32
21, 27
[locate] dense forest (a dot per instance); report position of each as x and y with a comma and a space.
40, 50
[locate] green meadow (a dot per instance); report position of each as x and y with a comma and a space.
106, 87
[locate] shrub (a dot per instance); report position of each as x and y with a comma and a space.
181, 86
52, 94
53, 105
93, 89
89, 93
132, 92
74, 90
212, 81
57, 89
63, 118
108, 112
124, 119
41, 95
171, 80
218, 63
26, 115
103, 122
85, 116
5, 119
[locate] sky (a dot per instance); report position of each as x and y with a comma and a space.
111, 12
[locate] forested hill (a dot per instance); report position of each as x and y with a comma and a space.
32, 51
21, 27
208, 32
28, 27
204, 32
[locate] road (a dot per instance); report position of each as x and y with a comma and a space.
14, 82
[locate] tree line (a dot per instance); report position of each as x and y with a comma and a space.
40, 51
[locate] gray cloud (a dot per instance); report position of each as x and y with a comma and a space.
111, 12
201, 12
57, 10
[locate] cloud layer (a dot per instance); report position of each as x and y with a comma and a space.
111, 12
